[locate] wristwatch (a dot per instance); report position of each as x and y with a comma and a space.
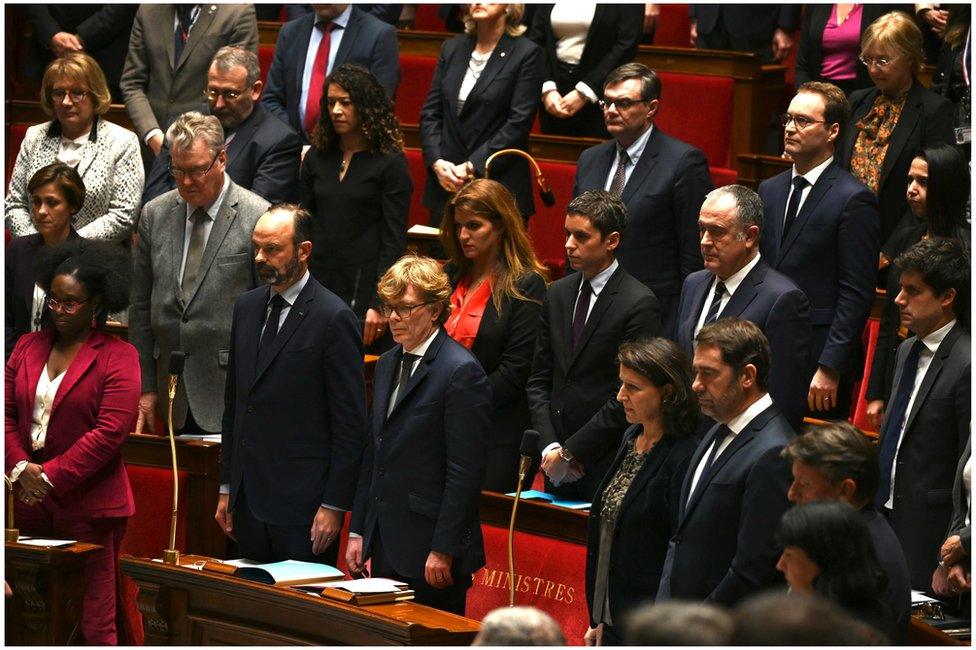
566, 454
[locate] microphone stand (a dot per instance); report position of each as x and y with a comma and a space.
524, 464
171, 555
545, 190
10, 534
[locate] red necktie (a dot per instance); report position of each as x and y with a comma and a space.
315, 88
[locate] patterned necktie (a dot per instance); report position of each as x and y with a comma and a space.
582, 307
896, 416
716, 302
794, 206
620, 175
194, 252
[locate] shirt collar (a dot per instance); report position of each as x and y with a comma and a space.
636, 149
733, 281
290, 295
814, 174
742, 420
934, 340
215, 206
421, 349
600, 279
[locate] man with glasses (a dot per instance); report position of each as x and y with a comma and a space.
263, 153
821, 230
193, 260
661, 180
416, 509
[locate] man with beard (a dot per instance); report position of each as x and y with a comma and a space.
262, 151
295, 404
724, 548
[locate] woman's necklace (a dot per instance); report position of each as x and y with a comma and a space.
477, 64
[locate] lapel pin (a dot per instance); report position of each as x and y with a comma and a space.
502, 54
213, 8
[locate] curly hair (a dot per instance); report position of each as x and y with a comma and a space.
104, 269
376, 119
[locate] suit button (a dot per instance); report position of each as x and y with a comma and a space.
186, 319
676, 539
568, 383
558, 412
250, 409
382, 471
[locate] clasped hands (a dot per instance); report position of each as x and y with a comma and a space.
952, 577
558, 470
33, 487
452, 177
563, 106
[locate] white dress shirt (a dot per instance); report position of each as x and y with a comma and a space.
811, 176
44, 395
731, 284
71, 150
289, 295
207, 225
340, 23
634, 152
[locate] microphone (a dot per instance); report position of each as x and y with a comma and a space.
545, 190
177, 359
527, 450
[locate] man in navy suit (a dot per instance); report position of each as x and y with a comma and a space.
821, 230
309, 49
661, 180
724, 548
836, 462
295, 404
263, 152
416, 508
737, 282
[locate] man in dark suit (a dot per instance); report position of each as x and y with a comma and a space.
585, 317
661, 180
836, 462
310, 47
821, 231
926, 420
724, 548
416, 508
263, 153
295, 412
766, 30
737, 283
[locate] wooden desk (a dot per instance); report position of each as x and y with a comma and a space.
48, 586
182, 606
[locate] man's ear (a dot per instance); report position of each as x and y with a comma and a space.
613, 241
747, 376
833, 132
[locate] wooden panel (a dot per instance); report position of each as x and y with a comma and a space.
536, 517
755, 168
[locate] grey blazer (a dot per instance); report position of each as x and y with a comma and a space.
110, 167
154, 92
159, 321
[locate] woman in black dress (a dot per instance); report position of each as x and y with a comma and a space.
356, 184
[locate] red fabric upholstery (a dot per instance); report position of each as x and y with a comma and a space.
705, 124
147, 533
427, 19
15, 135
418, 173
549, 575
265, 56
722, 176
870, 340
416, 75
673, 26
546, 225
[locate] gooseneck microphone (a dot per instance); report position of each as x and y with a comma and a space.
545, 190
527, 451
177, 360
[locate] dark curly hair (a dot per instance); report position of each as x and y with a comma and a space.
663, 363
380, 126
103, 268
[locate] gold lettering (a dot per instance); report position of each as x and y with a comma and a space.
549, 585
569, 595
487, 576
559, 592
538, 583
506, 583
526, 583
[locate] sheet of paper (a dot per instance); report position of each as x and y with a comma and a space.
420, 229
919, 597
369, 585
49, 543
209, 437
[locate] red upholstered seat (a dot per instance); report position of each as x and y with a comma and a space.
685, 115
546, 225
426, 18
723, 176
549, 575
418, 173
673, 26
870, 340
15, 135
265, 56
416, 75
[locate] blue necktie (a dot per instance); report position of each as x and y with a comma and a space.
794, 205
896, 416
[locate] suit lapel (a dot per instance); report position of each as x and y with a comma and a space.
79, 365
858, 112
244, 134
600, 307
34, 364
383, 386
697, 300
932, 373
197, 33
647, 470
910, 114
817, 193
496, 63
176, 223
421, 371
746, 292
645, 164
455, 72
294, 320
225, 218
349, 35
687, 501
90, 152
168, 20
301, 49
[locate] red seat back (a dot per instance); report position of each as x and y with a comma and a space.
546, 225
704, 124
870, 340
723, 176
418, 173
265, 56
15, 136
416, 75
426, 18
673, 26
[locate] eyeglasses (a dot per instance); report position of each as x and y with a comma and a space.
621, 104
228, 95
881, 61
403, 311
76, 95
193, 174
800, 121
69, 307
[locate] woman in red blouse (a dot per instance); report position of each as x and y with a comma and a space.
499, 286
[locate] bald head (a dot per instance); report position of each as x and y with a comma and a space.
282, 245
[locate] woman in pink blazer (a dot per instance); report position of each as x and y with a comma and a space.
72, 393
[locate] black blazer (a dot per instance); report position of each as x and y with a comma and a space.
611, 41
780, 309
663, 195
572, 394
809, 50
647, 519
927, 118
294, 427
936, 431
497, 115
424, 464
263, 157
898, 595
504, 346
754, 22
725, 547
366, 40
831, 253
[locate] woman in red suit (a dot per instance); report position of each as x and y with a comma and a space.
72, 394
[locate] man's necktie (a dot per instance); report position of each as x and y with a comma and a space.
406, 370
270, 328
713, 309
721, 434
896, 416
319, 69
582, 307
620, 175
794, 205
183, 13
194, 253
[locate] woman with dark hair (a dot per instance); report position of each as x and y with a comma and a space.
72, 394
827, 551
952, 73
356, 184
635, 511
57, 194
937, 194
498, 289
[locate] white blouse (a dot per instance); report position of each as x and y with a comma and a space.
476, 65
570, 25
43, 400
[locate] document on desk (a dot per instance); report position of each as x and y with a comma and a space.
286, 573
46, 543
529, 495
918, 597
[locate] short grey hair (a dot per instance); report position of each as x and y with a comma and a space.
678, 623
192, 126
229, 57
748, 206
519, 626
